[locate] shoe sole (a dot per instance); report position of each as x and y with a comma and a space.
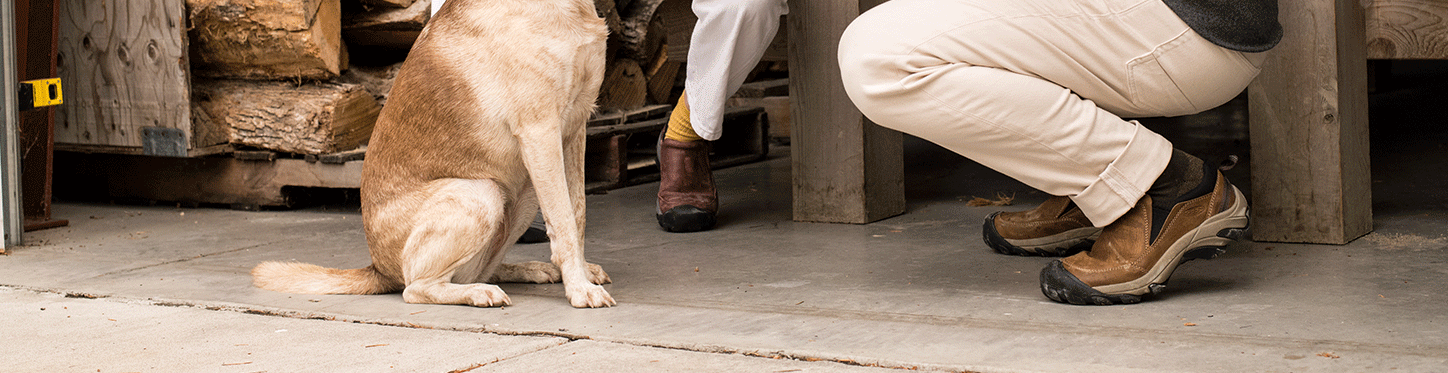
1207, 241
686, 218
1060, 244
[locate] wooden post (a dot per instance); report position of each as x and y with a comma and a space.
1309, 124
37, 32
846, 169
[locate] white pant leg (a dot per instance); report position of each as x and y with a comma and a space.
728, 41
1035, 89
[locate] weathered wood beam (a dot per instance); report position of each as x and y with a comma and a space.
1309, 125
846, 169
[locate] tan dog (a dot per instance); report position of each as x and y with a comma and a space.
493, 92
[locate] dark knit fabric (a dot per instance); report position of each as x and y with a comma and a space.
1240, 25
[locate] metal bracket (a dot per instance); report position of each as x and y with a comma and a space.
163, 141
40, 93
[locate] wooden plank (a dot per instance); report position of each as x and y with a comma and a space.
629, 116
764, 88
102, 149
1309, 126
125, 66
607, 160
846, 169
221, 180
344, 157
1407, 29
623, 154
778, 109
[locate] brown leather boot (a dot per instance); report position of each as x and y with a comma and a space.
1137, 253
687, 199
1055, 228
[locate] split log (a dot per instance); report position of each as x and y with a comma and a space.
679, 19
385, 27
662, 78
638, 69
661, 72
608, 10
376, 79
624, 86
642, 31
316, 118
391, 3
267, 39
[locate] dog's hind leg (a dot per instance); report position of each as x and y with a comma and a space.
457, 221
560, 194
542, 273
535, 272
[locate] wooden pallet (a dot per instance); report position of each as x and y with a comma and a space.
618, 155
246, 180
626, 154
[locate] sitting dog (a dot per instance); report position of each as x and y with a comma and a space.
485, 124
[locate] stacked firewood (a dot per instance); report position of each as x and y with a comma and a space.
310, 76
639, 71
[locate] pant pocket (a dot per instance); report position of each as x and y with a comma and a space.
1188, 75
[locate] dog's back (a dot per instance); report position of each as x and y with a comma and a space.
536, 74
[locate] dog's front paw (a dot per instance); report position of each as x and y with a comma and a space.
597, 276
490, 296
589, 296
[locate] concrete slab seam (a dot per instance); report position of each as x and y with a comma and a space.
199, 256
569, 337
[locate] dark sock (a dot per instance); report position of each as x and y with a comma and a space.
1185, 177
1183, 174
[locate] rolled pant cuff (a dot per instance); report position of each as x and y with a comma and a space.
1126, 179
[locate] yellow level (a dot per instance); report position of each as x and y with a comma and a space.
40, 93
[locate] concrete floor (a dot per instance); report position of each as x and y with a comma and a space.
917, 291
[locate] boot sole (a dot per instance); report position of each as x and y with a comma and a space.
1060, 244
1207, 241
686, 218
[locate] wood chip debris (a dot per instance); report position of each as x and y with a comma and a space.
1001, 199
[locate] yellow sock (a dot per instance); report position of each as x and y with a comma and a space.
680, 129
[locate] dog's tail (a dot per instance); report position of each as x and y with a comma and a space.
303, 278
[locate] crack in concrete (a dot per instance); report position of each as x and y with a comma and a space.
183, 260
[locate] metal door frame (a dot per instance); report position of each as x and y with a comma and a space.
11, 219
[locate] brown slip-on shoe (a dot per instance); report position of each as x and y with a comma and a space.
687, 199
1137, 253
1055, 228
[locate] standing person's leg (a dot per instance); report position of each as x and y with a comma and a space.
728, 40
1036, 90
